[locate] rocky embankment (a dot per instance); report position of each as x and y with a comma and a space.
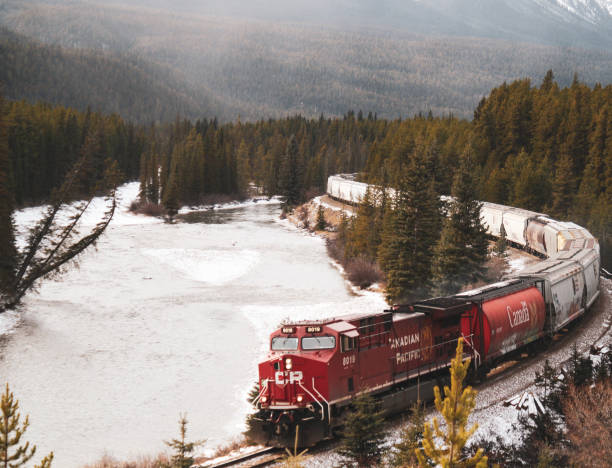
306, 215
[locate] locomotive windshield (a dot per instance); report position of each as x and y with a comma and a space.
318, 342
284, 343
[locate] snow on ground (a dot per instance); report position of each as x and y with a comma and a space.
26, 218
8, 322
335, 206
518, 260
216, 267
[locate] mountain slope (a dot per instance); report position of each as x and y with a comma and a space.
269, 68
106, 82
576, 23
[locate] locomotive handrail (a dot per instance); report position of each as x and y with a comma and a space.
264, 388
315, 399
322, 398
468, 341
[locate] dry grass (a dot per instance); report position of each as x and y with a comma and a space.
223, 450
588, 413
302, 215
141, 462
147, 208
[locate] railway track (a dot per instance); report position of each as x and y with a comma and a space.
262, 457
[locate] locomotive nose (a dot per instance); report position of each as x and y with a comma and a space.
285, 386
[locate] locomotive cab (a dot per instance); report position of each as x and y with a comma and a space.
293, 381
294, 374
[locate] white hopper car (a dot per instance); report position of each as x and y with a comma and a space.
570, 271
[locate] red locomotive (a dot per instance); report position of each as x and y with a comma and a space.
315, 369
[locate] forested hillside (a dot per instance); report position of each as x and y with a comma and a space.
260, 69
102, 81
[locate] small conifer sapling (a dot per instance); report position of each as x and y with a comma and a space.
455, 408
183, 450
13, 453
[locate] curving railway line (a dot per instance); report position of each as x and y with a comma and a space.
315, 368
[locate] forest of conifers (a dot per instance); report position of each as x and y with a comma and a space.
538, 147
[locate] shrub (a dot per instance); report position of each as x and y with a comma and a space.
147, 208
335, 249
362, 272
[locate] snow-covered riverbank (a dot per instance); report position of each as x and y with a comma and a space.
162, 319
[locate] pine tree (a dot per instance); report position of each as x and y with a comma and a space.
321, 223
366, 234
455, 409
52, 245
12, 454
182, 457
243, 169
548, 381
411, 436
291, 174
170, 198
363, 436
462, 250
501, 245
410, 230
8, 252
564, 187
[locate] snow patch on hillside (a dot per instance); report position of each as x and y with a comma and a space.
593, 11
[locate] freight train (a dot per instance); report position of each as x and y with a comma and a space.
314, 369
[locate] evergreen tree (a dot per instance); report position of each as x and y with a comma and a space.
548, 381
321, 223
564, 187
366, 233
455, 409
363, 436
13, 454
52, 245
462, 250
410, 230
8, 252
183, 450
501, 245
411, 436
290, 174
170, 198
244, 169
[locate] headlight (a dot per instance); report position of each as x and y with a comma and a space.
288, 363
300, 398
264, 399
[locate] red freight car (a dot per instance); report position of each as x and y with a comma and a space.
496, 319
500, 325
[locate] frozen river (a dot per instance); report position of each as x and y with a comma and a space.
160, 320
